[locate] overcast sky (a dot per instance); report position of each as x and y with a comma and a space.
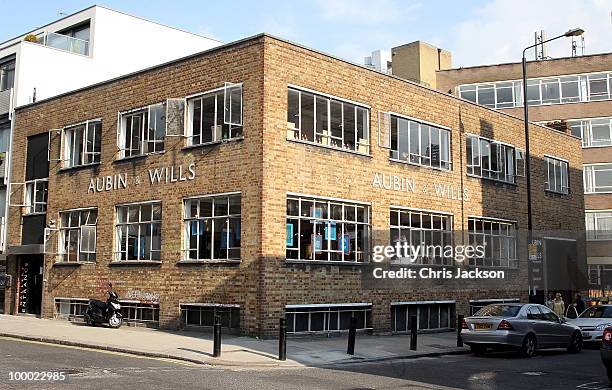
475, 31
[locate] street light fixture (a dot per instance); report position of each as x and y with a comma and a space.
570, 33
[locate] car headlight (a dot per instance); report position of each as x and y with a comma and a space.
602, 326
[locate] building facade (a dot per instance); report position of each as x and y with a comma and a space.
254, 181
84, 48
574, 93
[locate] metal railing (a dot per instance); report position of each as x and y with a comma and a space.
65, 42
6, 101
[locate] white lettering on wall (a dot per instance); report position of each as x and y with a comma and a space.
107, 183
407, 184
161, 175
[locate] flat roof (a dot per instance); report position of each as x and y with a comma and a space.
262, 35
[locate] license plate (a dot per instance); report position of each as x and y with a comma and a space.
483, 326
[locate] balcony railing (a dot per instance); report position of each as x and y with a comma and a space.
6, 101
65, 42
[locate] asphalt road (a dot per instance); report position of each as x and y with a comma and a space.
87, 369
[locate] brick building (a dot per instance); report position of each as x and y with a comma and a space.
252, 181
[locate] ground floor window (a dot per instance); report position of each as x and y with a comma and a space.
477, 304
70, 307
203, 315
434, 315
146, 313
327, 318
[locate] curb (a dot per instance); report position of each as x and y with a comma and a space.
226, 363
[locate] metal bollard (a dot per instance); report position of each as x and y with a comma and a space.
351, 339
459, 325
282, 339
217, 337
413, 333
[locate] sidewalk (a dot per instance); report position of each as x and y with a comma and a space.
236, 351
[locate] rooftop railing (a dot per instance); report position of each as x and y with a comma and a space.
65, 42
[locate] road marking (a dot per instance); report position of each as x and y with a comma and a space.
168, 360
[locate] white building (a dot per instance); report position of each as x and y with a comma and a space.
84, 48
380, 60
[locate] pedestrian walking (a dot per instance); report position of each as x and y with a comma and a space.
559, 305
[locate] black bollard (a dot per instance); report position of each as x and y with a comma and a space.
459, 327
413, 333
282, 339
351, 339
217, 337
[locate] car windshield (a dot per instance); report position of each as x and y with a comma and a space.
598, 312
498, 311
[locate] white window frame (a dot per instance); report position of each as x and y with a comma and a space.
479, 237
140, 225
595, 216
67, 149
79, 229
219, 115
590, 185
187, 227
586, 131
143, 132
503, 151
551, 185
30, 202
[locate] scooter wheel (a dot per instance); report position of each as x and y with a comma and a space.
115, 321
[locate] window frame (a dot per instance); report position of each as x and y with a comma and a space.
564, 166
593, 234
503, 151
326, 139
220, 113
512, 240
30, 202
144, 131
590, 185
117, 252
63, 230
84, 128
328, 311
187, 228
586, 131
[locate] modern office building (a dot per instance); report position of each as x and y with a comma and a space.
84, 48
254, 181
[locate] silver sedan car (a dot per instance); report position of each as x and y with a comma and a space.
525, 327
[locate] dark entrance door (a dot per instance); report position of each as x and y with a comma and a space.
30, 284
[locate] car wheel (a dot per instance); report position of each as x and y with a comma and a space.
575, 343
478, 350
529, 346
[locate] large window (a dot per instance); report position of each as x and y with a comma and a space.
7, 75
593, 132
597, 178
327, 230
423, 228
36, 192
557, 175
491, 159
327, 121
215, 116
138, 232
142, 131
430, 315
212, 228
499, 238
541, 91
78, 235
420, 143
322, 318
82, 144
599, 225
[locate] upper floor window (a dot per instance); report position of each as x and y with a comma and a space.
212, 228
598, 178
78, 235
557, 175
599, 225
138, 232
327, 121
36, 192
420, 143
82, 144
491, 159
540, 91
327, 230
142, 131
499, 238
215, 116
7, 75
593, 132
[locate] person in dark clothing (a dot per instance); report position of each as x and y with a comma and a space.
579, 304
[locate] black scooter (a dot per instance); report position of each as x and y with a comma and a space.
108, 312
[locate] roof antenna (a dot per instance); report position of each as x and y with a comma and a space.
61, 13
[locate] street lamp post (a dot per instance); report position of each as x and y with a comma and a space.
571, 33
